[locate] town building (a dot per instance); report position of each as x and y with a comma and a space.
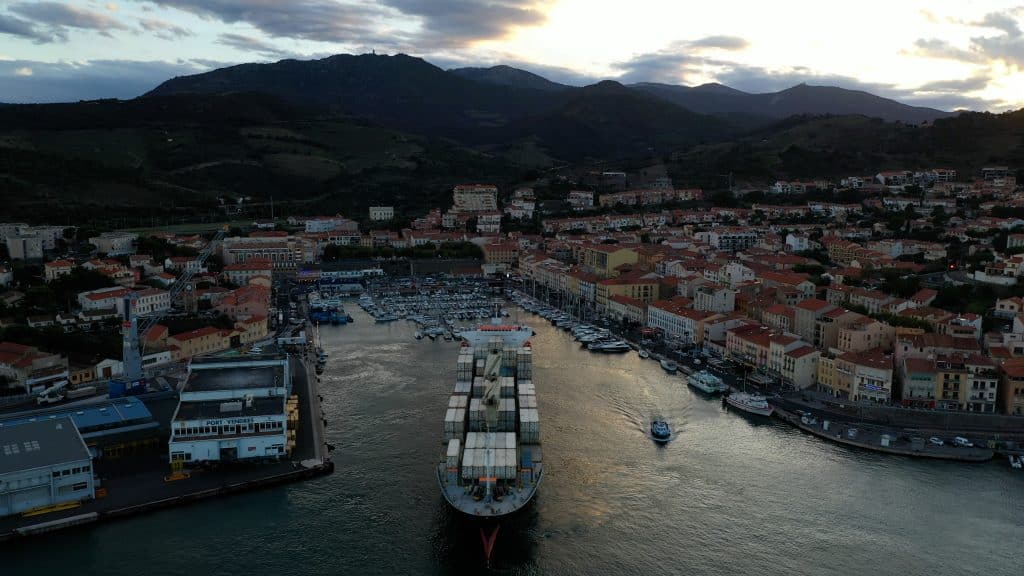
241, 273
104, 299
201, 341
330, 224
382, 213
232, 410
151, 301
1011, 386
626, 309
714, 299
475, 198
30, 370
604, 259
43, 463
287, 254
57, 269
581, 200
28, 247
115, 243
858, 375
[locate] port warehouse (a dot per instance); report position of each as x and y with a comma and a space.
111, 430
234, 409
43, 463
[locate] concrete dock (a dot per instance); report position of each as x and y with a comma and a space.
144, 489
871, 438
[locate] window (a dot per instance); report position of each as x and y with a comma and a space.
79, 486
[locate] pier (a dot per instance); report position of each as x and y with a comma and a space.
888, 441
146, 490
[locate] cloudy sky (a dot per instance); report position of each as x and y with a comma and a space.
942, 53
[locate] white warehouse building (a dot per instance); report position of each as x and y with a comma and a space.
43, 463
232, 410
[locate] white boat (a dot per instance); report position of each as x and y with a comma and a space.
669, 366
752, 403
644, 353
706, 382
609, 347
1015, 462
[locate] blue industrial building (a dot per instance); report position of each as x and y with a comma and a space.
110, 429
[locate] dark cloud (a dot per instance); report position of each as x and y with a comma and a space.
68, 82
322, 20
23, 28
942, 50
1008, 46
162, 29
723, 42
675, 62
456, 22
1001, 21
250, 44
58, 17
444, 23
971, 84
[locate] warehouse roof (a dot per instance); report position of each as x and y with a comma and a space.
39, 444
212, 409
93, 418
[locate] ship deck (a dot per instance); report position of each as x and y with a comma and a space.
460, 499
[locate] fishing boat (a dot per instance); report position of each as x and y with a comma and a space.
660, 431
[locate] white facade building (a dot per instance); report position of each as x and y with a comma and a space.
475, 198
103, 299
330, 224
382, 213
43, 463
114, 243
232, 410
25, 247
151, 301
714, 299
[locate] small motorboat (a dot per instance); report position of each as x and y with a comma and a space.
644, 353
660, 432
1016, 462
669, 366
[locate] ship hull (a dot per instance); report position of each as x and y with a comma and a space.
473, 509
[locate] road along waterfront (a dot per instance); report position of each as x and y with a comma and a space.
730, 495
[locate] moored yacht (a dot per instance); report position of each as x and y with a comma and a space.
752, 403
706, 382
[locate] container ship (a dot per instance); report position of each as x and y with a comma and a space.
491, 463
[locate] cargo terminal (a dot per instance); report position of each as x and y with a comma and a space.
234, 409
43, 463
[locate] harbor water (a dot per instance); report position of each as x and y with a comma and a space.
730, 495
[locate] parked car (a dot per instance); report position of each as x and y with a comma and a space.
963, 442
936, 441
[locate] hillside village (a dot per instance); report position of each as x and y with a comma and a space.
908, 295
